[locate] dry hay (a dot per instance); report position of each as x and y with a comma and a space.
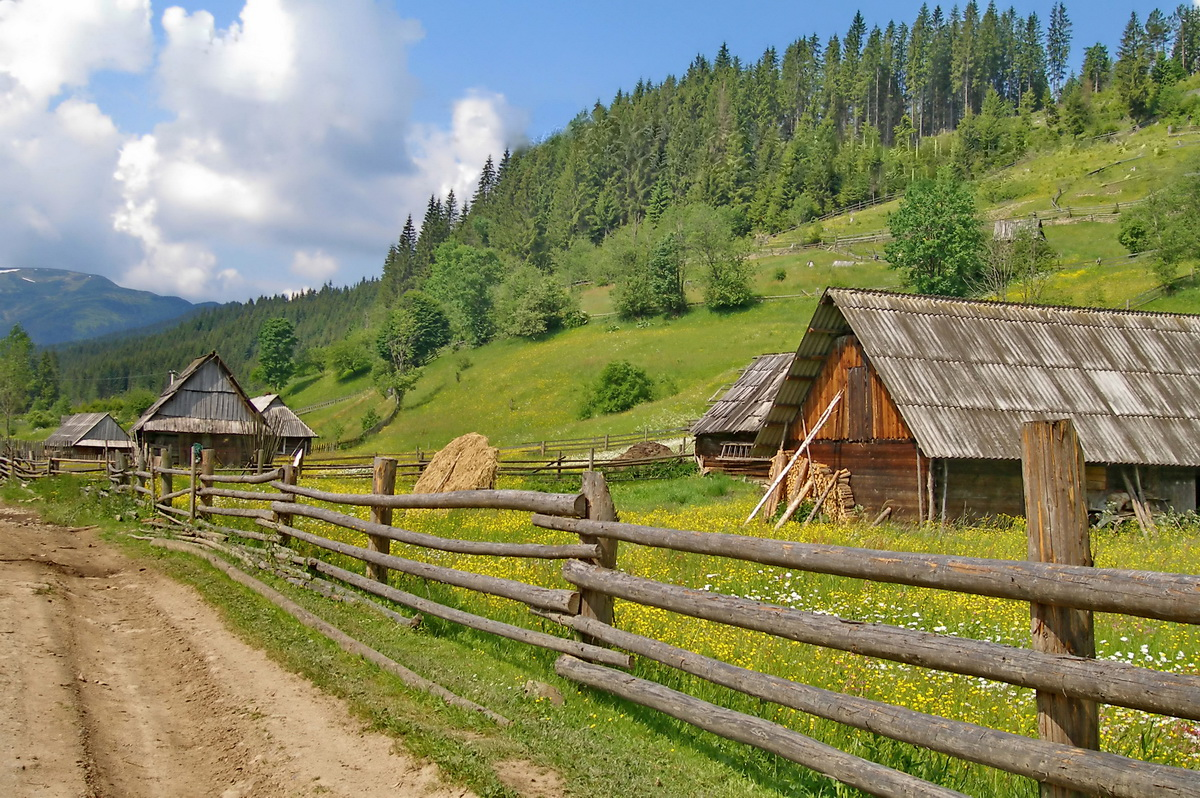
646, 450
468, 462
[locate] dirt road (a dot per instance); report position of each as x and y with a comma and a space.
116, 681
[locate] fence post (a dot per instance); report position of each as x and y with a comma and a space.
594, 604
289, 478
383, 482
207, 469
1056, 513
166, 460
193, 485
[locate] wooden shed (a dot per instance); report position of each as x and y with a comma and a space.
88, 436
204, 404
287, 432
1010, 229
935, 391
725, 434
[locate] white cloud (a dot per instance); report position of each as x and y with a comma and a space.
316, 265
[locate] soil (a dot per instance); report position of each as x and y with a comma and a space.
117, 681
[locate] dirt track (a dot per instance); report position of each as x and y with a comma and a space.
117, 681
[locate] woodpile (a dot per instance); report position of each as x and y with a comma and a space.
829, 489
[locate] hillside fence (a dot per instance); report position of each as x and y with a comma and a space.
1058, 582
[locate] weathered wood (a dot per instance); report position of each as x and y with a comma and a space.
167, 498
1111, 682
236, 512
247, 495
867, 776
821, 499
480, 547
1106, 774
1056, 513
795, 503
172, 471
531, 501
245, 479
207, 464
546, 598
281, 509
1149, 594
799, 451
883, 516
1140, 511
498, 628
383, 483
166, 478
599, 508
343, 640
193, 486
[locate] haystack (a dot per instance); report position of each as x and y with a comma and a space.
646, 450
468, 462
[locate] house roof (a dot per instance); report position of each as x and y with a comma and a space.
89, 429
204, 399
965, 375
743, 407
280, 418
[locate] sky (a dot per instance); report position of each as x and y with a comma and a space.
228, 149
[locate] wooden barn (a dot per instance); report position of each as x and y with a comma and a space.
204, 404
88, 436
935, 391
725, 434
287, 432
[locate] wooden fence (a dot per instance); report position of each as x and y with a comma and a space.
1059, 583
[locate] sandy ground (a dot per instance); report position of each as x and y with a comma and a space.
116, 681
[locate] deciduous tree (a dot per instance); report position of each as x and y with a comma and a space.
937, 242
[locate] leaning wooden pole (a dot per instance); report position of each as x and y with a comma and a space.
1056, 512
383, 482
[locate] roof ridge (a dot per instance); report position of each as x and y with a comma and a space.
1007, 303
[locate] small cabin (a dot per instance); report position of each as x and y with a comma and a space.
1009, 230
88, 436
725, 434
204, 405
287, 432
934, 392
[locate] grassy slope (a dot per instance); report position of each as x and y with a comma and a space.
515, 391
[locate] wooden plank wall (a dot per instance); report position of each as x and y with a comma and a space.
867, 412
882, 473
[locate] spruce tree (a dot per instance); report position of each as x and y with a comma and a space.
1058, 47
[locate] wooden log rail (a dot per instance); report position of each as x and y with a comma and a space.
247, 495
530, 501
245, 479
1064, 765
1097, 680
1149, 594
480, 547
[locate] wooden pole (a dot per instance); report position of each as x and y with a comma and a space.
801, 449
383, 482
600, 507
193, 486
285, 519
207, 468
1056, 512
166, 460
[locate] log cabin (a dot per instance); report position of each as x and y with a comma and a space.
935, 390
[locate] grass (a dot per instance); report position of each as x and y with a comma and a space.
605, 746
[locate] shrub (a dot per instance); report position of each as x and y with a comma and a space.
620, 386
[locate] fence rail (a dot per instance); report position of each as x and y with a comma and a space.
1054, 590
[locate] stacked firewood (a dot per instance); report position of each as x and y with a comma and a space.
828, 488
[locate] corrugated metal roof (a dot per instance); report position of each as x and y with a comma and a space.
280, 418
88, 429
204, 399
966, 375
744, 406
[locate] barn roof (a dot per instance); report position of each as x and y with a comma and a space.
204, 399
743, 407
89, 429
280, 418
965, 375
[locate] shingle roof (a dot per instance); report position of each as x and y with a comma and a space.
280, 418
743, 407
966, 374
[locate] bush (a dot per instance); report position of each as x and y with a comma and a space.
620, 386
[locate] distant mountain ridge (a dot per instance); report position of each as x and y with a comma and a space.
56, 305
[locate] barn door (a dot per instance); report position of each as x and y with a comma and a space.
858, 404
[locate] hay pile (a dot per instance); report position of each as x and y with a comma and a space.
468, 462
646, 450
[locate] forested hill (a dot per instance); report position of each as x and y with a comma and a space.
112, 366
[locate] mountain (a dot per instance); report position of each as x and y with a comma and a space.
55, 305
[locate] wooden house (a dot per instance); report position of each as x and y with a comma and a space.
88, 436
935, 391
287, 432
204, 404
1010, 229
725, 434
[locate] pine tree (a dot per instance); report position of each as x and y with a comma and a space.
487, 184
1058, 47
1131, 75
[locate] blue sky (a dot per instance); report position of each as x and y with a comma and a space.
223, 149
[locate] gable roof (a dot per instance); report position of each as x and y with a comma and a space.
204, 399
89, 429
965, 375
280, 418
743, 407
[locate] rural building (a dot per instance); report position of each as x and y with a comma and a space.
204, 404
935, 391
288, 433
88, 436
725, 434
1009, 229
